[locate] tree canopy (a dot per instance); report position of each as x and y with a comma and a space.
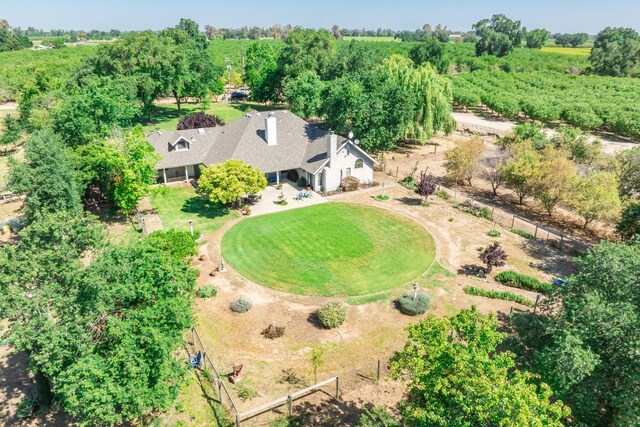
616, 52
498, 36
536, 38
229, 181
456, 378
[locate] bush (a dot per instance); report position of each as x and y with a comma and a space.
442, 194
522, 233
207, 291
376, 416
245, 392
199, 120
272, 331
494, 233
302, 182
240, 305
503, 295
350, 183
413, 307
409, 182
522, 281
382, 197
332, 314
469, 206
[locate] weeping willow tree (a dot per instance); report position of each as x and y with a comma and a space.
433, 95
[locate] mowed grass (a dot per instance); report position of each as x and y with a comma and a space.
332, 249
167, 116
577, 51
177, 205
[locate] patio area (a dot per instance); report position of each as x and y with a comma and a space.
271, 195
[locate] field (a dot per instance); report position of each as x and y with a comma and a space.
579, 51
371, 39
176, 205
329, 249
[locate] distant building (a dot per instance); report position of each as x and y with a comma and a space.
279, 143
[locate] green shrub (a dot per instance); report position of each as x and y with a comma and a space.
409, 305
469, 206
26, 407
283, 203
503, 295
522, 233
302, 182
206, 291
245, 392
377, 416
382, 197
240, 305
494, 233
332, 314
522, 281
350, 183
443, 194
409, 182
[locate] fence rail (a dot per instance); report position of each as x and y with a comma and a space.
288, 399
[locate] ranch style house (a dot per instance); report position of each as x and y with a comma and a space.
279, 143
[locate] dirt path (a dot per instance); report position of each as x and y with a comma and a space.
469, 122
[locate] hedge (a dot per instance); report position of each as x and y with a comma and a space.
503, 295
522, 281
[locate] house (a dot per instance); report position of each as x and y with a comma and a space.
280, 144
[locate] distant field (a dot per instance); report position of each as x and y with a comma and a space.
579, 51
371, 39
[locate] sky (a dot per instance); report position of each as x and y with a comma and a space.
570, 16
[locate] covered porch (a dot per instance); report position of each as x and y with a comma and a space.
292, 176
181, 173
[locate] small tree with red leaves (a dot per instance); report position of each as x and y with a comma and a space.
198, 121
426, 185
493, 256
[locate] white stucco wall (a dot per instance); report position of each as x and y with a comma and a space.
338, 168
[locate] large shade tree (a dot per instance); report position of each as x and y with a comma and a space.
498, 36
616, 51
229, 181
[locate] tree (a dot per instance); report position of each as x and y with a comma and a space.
463, 162
11, 133
229, 181
123, 167
588, 344
9, 40
262, 73
316, 360
498, 36
441, 33
580, 149
520, 171
554, 179
307, 50
93, 107
627, 166
615, 52
431, 51
536, 38
456, 377
304, 94
335, 31
198, 121
629, 225
493, 173
46, 178
427, 185
573, 40
432, 93
493, 256
596, 197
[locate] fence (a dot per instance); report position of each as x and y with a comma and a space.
288, 400
223, 394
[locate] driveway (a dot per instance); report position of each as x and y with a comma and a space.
271, 195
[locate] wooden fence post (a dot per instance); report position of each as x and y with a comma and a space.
337, 387
378, 376
561, 241
237, 420
535, 234
513, 221
290, 404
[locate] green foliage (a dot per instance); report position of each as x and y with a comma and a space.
382, 197
616, 52
408, 182
45, 177
307, 50
587, 349
475, 209
304, 94
262, 73
463, 161
573, 40
442, 194
522, 233
629, 224
227, 182
522, 281
332, 314
11, 132
455, 377
316, 361
377, 416
595, 197
503, 295
628, 172
241, 305
520, 171
498, 35
431, 51
87, 329
536, 38
206, 291
124, 167
180, 244
494, 233
245, 392
9, 40
412, 307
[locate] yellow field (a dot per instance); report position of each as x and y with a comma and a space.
578, 51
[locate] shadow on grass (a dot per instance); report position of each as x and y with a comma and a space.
203, 208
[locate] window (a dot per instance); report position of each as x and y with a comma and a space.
348, 171
359, 164
181, 145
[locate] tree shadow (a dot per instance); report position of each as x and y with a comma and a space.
204, 208
549, 259
472, 270
328, 412
411, 201
315, 320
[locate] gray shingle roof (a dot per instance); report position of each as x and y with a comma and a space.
299, 144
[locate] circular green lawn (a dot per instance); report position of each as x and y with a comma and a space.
329, 249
